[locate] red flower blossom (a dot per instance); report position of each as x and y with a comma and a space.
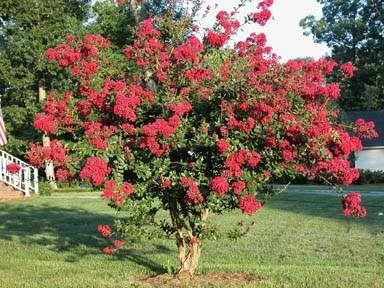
348, 69
167, 183
198, 74
109, 189
104, 230
216, 39
366, 129
261, 17
98, 135
128, 128
222, 146
219, 185
107, 250
351, 204
13, 168
189, 51
95, 170
35, 155
193, 195
62, 174
118, 244
89, 68
57, 153
127, 189
339, 169
288, 154
253, 159
238, 187
180, 108
45, 123
125, 106
249, 204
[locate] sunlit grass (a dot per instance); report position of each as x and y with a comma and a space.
300, 239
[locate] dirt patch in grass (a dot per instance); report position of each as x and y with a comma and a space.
219, 279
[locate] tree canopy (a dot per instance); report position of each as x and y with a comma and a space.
187, 125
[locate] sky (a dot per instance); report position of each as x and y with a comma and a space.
283, 32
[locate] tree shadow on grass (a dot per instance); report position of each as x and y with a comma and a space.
67, 230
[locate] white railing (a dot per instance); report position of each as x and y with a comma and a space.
26, 180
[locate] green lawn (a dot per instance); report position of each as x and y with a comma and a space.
300, 239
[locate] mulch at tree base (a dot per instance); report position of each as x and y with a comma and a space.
220, 279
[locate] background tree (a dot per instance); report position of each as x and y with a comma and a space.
116, 22
27, 28
353, 29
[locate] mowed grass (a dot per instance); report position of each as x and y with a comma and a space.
299, 239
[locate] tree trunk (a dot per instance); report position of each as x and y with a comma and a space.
189, 251
135, 5
49, 167
189, 262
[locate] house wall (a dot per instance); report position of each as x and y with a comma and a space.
370, 159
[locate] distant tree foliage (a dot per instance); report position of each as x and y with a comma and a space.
27, 28
126, 15
354, 29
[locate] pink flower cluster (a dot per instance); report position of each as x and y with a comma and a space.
351, 204
222, 146
125, 106
160, 127
56, 153
339, 169
235, 160
45, 123
79, 58
348, 69
95, 170
116, 246
189, 52
366, 129
193, 195
117, 195
98, 135
149, 53
56, 114
264, 15
229, 26
249, 204
62, 174
197, 75
180, 108
238, 187
104, 230
13, 168
219, 185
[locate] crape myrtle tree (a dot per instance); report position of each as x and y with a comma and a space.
189, 126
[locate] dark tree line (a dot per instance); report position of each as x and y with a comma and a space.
354, 30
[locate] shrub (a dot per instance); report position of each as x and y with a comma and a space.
370, 177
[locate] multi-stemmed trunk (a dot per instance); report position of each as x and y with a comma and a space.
188, 244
